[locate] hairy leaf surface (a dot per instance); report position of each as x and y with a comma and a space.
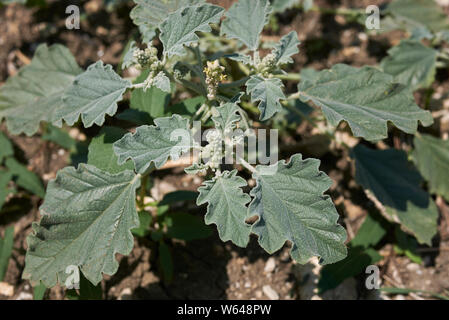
227, 207
289, 201
268, 92
286, 48
87, 218
93, 95
366, 98
394, 186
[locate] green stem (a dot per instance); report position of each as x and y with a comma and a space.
289, 77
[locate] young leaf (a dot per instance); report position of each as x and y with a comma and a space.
227, 117
162, 82
87, 218
6, 149
366, 98
101, 153
93, 95
179, 29
227, 207
6, 245
149, 14
25, 178
394, 186
289, 201
268, 92
35, 93
431, 156
411, 63
286, 48
155, 144
245, 21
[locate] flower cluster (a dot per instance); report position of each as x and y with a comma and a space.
214, 75
214, 150
267, 66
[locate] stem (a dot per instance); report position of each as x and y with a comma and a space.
246, 165
143, 191
289, 77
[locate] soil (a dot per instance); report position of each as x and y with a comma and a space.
212, 269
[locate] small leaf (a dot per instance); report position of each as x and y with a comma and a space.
155, 144
268, 92
6, 245
86, 220
245, 21
370, 233
93, 95
144, 224
25, 178
6, 149
101, 153
166, 262
35, 93
179, 29
128, 59
289, 201
286, 48
366, 98
245, 59
394, 186
187, 227
162, 82
227, 117
431, 156
227, 207
411, 63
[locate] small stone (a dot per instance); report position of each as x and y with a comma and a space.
126, 294
6, 289
270, 293
259, 294
413, 267
270, 265
25, 296
248, 284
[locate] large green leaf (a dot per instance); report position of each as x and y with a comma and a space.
227, 207
180, 28
268, 92
101, 153
394, 185
93, 95
366, 98
289, 201
418, 13
245, 21
149, 14
6, 149
286, 48
431, 156
186, 227
35, 93
155, 144
411, 63
87, 218
25, 178
153, 101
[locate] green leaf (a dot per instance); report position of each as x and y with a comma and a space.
370, 233
35, 93
128, 58
411, 63
394, 186
60, 137
5, 177
39, 292
149, 14
227, 207
286, 48
407, 245
179, 29
101, 153
6, 245
87, 291
227, 117
289, 201
162, 82
280, 6
245, 21
25, 178
93, 95
188, 107
417, 13
431, 156
268, 92
166, 262
178, 196
186, 227
87, 218
6, 149
366, 98
144, 224
155, 144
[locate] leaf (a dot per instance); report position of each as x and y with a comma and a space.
370, 233
178, 196
86, 220
268, 92
179, 29
39, 292
128, 58
366, 98
245, 21
188, 107
280, 6
289, 201
6, 245
149, 14
186, 227
60, 137
166, 262
87, 291
155, 144
411, 63
227, 117
6, 149
35, 93
162, 82
144, 224
101, 153
227, 207
5, 177
406, 245
394, 186
25, 178
286, 48
431, 156
416, 13
93, 95
239, 57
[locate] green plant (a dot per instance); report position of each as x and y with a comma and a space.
90, 212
